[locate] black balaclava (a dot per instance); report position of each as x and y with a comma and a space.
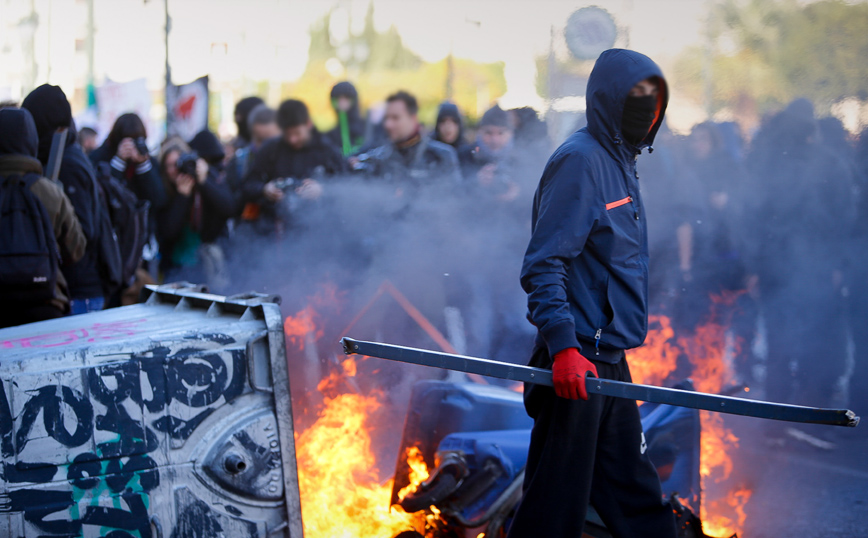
638, 118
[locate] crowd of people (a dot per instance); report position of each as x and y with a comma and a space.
771, 225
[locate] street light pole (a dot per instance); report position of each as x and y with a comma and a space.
168, 28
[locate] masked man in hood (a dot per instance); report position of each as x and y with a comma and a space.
586, 276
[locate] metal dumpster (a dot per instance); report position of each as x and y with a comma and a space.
170, 418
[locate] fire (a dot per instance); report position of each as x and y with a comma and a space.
707, 350
341, 496
657, 358
300, 327
418, 471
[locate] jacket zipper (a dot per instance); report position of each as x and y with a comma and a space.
597, 340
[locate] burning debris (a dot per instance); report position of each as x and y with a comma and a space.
342, 491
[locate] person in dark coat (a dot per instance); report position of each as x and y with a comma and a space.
715, 256
490, 164
139, 171
410, 158
193, 219
349, 134
242, 110
50, 110
262, 124
301, 155
19, 145
208, 147
586, 274
802, 202
449, 129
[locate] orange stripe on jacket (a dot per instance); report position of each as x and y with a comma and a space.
619, 203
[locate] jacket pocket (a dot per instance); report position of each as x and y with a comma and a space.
623, 201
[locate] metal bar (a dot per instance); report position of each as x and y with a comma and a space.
55, 155
606, 387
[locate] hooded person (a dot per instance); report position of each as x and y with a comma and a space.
586, 273
50, 110
19, 143
242, 111
349, 134
489, 165
449, 128
802, 199
208, 147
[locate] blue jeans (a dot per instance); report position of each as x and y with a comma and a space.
83, 306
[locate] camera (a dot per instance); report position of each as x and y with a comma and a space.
362, 163
284, 183
141, 146
186, 163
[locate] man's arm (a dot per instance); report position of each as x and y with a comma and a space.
565, 215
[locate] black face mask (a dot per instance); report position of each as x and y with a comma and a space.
638, 118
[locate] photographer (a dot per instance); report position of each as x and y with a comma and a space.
300, 153
193, 219
127, 153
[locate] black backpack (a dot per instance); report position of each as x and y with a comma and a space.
129, 221
29, 257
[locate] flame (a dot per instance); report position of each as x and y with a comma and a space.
658, 357
300, 327
341, 493
341, 496
418, 471
707, 350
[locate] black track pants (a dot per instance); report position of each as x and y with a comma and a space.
588, 451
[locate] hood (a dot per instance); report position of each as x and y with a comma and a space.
450, 110
354, 114
614, 74
208, 147
242, 110
18, 133
345, 89
50, 110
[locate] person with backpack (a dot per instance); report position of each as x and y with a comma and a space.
128, 168
88, 280
38, 228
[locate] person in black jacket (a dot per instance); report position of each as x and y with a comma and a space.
293, 164
410, 159
193, 219
50, 110
802, 198
262, 125
242, 111
586, 275
349, 134
450, 128
138, 170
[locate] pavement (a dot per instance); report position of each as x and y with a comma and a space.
802, 489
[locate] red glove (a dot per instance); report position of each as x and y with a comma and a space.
569, 371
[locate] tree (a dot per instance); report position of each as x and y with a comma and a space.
774, 51
379, 63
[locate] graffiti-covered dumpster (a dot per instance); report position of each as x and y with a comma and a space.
170, 418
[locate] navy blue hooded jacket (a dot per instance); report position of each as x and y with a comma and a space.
586, 267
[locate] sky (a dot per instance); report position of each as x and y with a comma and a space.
238, 43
